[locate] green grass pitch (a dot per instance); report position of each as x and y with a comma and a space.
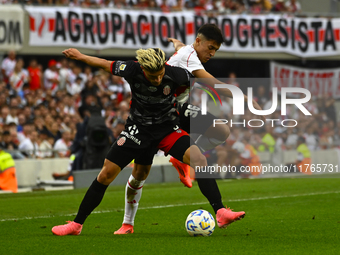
283, 216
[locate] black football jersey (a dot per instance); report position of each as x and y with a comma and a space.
151, 104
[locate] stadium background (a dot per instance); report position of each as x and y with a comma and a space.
243, 64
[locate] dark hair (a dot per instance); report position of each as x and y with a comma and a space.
211, 32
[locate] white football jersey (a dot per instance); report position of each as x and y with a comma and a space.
186, 57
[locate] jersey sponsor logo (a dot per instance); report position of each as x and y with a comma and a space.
121, 141
152, 88
134, 139
122, 67
133, 130
166, 90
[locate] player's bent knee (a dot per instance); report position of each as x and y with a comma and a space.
108, 173
197, 159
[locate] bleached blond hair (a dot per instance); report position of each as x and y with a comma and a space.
152, 59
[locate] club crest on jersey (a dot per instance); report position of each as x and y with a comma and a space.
152, 88
137, 85
166, 90
122, 67
121, 141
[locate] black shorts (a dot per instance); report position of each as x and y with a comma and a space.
139, 142
192, 120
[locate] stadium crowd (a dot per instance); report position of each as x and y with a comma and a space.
201, 7
42, 106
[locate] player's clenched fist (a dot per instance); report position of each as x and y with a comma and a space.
72, 53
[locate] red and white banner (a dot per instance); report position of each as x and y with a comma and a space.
115, 28
317, 81
11, 27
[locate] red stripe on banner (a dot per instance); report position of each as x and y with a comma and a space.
164, 31
145, 27
42, 24
32, 24
121, 31
103, 27
310, 34
190, 28
94, 28
51, 23
227, 31
321, 35
337, 34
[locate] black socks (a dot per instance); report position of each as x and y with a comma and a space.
91, 200
210, 190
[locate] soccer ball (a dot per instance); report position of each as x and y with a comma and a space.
200, 223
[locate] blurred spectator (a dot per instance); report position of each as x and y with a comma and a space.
27, 128
189, 4
69, 105
74, 3
8, 180
8, 65
261, 96
267, 142
200, 7
303, 159
329, 107
293, 6
311, 139
292, 138
279, 6
35, 75
18, 77
107, 4
46, 145
233, 79
75, 87
51, 77
54, 131
4, 114
21, 122
63, 144
178, 6
12, 116
29, 146
64, 74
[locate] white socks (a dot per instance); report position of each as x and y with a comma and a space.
133, 193
206, 143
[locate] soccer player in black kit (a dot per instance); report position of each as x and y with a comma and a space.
153, 124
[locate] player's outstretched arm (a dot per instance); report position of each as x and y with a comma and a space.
91, 61
211, 80
177, 43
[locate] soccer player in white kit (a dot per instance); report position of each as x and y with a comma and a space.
208, 41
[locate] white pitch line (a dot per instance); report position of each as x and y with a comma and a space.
177, 205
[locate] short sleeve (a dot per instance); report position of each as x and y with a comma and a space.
124, 68
191, 62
